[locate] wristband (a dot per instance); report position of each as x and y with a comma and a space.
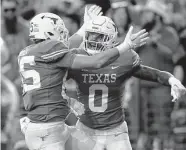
122, 48
172, 80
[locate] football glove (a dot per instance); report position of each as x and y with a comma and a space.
135, 40
92, 12
24, 124
177, 89
77, 107
89, 14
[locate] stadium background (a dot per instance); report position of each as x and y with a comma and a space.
154, 122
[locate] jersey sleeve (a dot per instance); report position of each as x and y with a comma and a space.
67, 60
53, 51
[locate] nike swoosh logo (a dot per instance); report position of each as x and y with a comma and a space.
114, 67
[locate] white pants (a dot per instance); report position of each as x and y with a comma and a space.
85, 138
45, 136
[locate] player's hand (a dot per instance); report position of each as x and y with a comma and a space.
137, 39
24, 124
92, 12
177, 89
77, 107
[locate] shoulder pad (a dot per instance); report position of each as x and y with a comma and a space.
48, 51
55, 50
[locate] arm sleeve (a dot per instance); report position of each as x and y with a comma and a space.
67, 60
152, 74
53, 51
75, 41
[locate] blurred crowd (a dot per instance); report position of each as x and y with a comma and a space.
155, 123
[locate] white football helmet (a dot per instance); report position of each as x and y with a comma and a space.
48, 26
100, 34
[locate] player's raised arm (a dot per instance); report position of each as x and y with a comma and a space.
163, 77
90, 13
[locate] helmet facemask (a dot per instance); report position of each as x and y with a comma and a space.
100, 35
96, 42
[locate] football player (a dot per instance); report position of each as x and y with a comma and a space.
103, 123
43, 67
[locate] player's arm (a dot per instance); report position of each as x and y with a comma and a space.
163, 77
95, 61
75, 41
72, 60
152, 74
77, 38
